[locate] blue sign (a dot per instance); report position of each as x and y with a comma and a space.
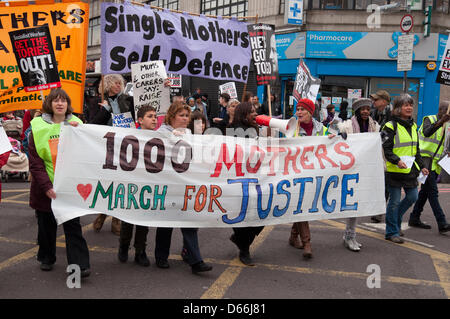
328, 44
291, 45
294, 12
442, 43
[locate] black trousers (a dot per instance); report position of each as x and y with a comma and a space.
140, 236
244, 236
190, 244
77, 251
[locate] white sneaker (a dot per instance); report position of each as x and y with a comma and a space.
351, 244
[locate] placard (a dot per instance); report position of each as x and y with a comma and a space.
35, 57
443, 75
148, 86
122, 120
229, 88
68, 23
264, 53
306, 86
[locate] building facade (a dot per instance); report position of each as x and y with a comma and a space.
350, 45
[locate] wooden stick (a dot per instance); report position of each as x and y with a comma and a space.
448, 110
102, 89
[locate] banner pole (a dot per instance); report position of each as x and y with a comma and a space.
102, 88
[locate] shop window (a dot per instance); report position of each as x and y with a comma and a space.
441, 5
224, 7
394, 86
167, 4
282, 4
94, 31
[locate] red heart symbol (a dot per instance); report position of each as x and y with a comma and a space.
84, 190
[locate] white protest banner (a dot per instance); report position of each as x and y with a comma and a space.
306, 86
5, 145
158, 179
148, 86
123, 120
229, 88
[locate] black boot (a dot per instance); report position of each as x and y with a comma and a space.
201, 267
123, 254
141, 258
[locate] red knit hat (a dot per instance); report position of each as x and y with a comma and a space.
307, 104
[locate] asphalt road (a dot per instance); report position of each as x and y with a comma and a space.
418, 269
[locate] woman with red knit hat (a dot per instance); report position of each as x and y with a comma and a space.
306, 126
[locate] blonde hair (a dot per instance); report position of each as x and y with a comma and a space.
111, 80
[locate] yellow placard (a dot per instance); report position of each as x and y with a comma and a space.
68, 23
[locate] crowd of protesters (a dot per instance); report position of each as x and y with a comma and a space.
194, 114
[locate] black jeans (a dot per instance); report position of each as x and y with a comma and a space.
190, 244
77, 251
429, 191
140, 236
244, 236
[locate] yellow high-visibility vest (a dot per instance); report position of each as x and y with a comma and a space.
46, 139
404, 145
428, 145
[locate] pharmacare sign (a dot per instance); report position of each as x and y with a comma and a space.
366, 45
158, 179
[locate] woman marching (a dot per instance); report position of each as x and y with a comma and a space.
176, 122
306, 126
43, 145
361, 122
244, 121
403, 164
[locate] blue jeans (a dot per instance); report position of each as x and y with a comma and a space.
396, 209
429, 191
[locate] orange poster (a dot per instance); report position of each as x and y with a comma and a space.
68, 22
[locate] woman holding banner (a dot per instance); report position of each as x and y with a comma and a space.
176, 122
403, 164
116, 102
244, 124
306, 126
43, 145
361, 122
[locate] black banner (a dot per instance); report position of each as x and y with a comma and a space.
35, 57
264, 52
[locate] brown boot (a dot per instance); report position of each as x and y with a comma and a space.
293, 239
305, 236
115, 226
98, 222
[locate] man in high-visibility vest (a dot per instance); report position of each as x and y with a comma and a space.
431, 143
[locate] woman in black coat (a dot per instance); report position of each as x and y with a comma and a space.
244, 123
